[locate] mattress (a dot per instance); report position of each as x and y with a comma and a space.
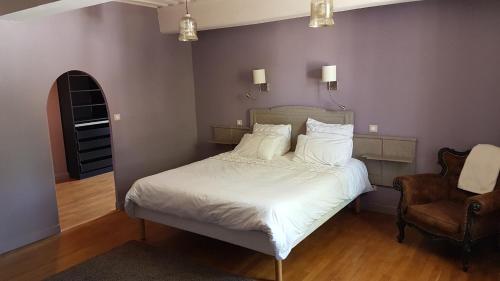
280, 197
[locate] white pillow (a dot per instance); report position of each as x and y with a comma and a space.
326, 151
258, 146
276, 130
333, 131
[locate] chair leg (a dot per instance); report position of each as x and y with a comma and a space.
466, 250
278, 270
401, 226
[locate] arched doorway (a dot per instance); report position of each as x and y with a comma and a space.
80, 136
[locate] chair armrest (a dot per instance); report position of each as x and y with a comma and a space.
485, 203
422, 188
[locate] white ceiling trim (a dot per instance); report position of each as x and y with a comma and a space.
213, 14
21, 10
52, 8
153, 3
210, 14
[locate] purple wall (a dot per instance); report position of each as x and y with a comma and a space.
146, 76
428, 70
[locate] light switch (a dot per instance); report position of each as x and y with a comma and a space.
239, 123
117, 117
373, 128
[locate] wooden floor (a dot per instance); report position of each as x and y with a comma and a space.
348, 247
80, 201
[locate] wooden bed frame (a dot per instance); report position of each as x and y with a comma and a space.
256, 240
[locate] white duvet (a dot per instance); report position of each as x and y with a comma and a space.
280, 197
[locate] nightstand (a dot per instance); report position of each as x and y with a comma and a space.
228, 134
385, 157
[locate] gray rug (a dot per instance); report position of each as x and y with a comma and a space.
139, 261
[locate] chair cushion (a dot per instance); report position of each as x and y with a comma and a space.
443, 217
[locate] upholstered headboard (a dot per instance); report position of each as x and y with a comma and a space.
385, 157
297, 117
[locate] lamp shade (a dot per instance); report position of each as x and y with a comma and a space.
321, 13
259, 76
187, 29
329, 73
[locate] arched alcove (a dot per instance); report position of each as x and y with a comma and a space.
81, 143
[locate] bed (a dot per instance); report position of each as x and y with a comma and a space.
267, 206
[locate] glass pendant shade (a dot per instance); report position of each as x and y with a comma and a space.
321, 13
187, 29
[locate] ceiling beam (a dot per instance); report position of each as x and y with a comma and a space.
213, 14
29, 9
154, 3
12, 6
139, 3
150, 3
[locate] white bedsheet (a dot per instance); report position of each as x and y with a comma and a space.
280, 197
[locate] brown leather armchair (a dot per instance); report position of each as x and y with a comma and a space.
433, 204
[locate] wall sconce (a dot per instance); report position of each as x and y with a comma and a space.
330, 77
259, 78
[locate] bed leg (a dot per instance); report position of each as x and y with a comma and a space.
357, 205
278, 269
143, 230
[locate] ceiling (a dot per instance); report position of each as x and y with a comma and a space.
213, 14
209, 14
21, 10
29, 9
154, 3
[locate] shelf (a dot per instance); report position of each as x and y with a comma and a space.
82, 121
92, 133
100, 164
91, 156
87, 105
76, 72
86, 125
228, 135
387, 158
91, 123
102, 142
85, 91
232, 127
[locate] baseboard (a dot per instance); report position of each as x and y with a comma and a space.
24, 240
61, 177
120, 206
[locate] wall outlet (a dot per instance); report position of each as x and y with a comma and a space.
373, 128
117, 117
239, 123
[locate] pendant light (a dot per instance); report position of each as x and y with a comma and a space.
321, 13
187, 27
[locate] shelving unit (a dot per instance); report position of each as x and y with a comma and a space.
228, 135
386, 157
85, 120
396, 159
